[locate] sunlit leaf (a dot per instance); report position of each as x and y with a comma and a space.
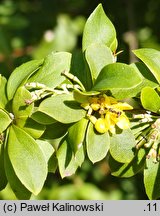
151, 179
3, 94
31, 127
18, 188
98, 28
151, 58
20, 75
122, 147
63, 108
19, 106
97, 144
42, 118
50, 73
117, 76
147, 79
67, 161
98, 55
46, 148
5, 120
150, 99
27, 159
76, 134
127, 170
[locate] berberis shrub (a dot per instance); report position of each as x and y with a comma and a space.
56, 111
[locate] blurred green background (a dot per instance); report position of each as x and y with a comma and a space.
30, 29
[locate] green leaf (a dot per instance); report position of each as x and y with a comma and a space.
18, 188
127, 170
76, 134
55, 130
150, 99
99, 29
3, 178
147, 77
68, 162
63, 108
20, 74
27, 159
3, 95
22, 111
82, 97
46, 148
31, 127
147, 80
122, 147
151, 58
98, 55
52, 164
97, 144
50, 73
42, 118
151, 179
117, 76
5, 120
19, 106
80, 69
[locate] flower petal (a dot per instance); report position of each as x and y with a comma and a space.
122, 106
123, 122
110, 122
100, 125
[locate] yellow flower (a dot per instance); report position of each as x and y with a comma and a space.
109, 111
113, 119
101, 125
122, 106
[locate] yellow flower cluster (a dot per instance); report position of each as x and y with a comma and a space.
106, 112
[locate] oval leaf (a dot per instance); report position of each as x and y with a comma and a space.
122, 146
80, 69
152, 179
67, 161
150, 99
117, 76
20, 74
127, 170
19, 106
147, 80
55, 130
31, 127
151, 58
3, 96
82, 97
42, 118
5, 120
18, 188
98, 28
76, 134
98, 55
50, 73
27, 159
97, 144
63, 108
3, 178
46, 148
